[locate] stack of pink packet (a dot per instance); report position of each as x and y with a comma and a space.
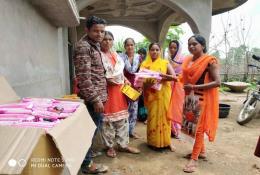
36, 112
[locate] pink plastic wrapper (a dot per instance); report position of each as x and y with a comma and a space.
46, 114
14, 117
64, 115
49, 115
68, 104
64, 106
36, 112
26, 105
15, 111
45, 125
144, 74
60, 109
38, 100
7, 123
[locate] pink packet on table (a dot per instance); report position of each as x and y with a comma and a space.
64, 115
38, 100
44, 125
67, 103
15, 111
61, 109
46, 114
7, 123
26, 105
14, 117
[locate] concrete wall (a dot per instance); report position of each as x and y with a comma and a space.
33, 53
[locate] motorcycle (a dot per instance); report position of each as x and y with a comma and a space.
248, 109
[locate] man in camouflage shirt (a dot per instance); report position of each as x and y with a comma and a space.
91, 80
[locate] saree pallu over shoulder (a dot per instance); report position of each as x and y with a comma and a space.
192, 72
208, 119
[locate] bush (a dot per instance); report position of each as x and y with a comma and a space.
224, 89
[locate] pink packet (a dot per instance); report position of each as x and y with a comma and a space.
68, 104
15, 111
38, 100
17, 116
44, 125
64, 115
7, 123
60, 109
157, 86
18, 105
46, 114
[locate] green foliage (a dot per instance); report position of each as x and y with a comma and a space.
253, 86
119, 45
143, 44
174, 33
224, 89
237, 55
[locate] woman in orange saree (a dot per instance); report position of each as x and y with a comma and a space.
201, 75
157, 101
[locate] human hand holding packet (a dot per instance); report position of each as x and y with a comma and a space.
144, 74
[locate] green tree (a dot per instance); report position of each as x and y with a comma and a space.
119, 45
174, 33
143, 44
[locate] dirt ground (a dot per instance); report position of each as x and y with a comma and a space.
230, 154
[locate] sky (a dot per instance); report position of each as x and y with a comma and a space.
249, 12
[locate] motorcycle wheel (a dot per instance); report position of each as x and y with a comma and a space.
247, 111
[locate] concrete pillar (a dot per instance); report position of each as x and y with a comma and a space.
64, 60
197, 13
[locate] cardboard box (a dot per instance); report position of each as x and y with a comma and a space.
60, 150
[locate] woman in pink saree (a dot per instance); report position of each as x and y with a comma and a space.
177, 98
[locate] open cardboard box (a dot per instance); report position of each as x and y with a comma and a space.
59, 150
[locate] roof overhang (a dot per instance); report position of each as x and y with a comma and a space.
61, 13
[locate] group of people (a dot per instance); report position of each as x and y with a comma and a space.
101, 73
